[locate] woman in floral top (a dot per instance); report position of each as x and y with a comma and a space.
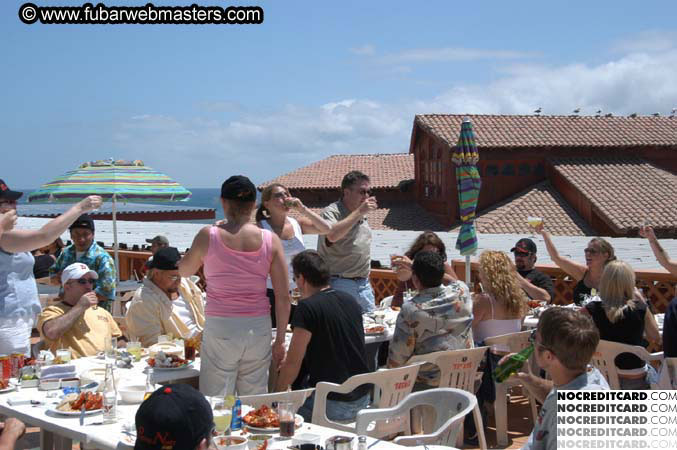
438, 318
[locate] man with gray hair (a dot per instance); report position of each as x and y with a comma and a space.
347, 247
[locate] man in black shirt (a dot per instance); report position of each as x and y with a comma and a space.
328, 339
536, 284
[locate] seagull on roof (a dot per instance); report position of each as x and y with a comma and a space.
599, 112
656, 114
538, 111
674, 111
633, 115
577, 110
608, 115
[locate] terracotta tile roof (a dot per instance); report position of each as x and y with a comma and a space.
541, 200
624, 190
384, 170
509, 131
400, 216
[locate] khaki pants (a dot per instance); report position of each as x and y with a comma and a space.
235, 355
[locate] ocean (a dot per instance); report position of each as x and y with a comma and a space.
201, 198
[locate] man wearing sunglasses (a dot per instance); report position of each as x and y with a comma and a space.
347, 247
536, 284
564, 343
77, 323
166, 303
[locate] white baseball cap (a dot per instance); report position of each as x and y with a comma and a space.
76, 271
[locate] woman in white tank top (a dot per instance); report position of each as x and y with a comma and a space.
273, 214
502, 306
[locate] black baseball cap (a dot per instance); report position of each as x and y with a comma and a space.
84, 221
165, 259
176, 416
238, 187
7, 194
524, 245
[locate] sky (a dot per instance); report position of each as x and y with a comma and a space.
316, 78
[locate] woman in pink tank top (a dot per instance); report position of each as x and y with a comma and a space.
238, 257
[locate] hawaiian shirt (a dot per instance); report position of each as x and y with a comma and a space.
96, 259
436, 319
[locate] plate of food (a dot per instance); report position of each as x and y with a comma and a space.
163, 361
6, 386
374, 330
71, 404
266, 419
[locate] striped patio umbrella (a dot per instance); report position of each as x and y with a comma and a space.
465, 158
127, 181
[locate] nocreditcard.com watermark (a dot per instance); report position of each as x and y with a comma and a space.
100, 14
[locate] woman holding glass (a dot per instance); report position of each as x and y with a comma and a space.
273, 215
19, 301
427, 242
598, 253
238, 258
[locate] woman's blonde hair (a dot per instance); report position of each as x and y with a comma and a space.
501, 277
617, 289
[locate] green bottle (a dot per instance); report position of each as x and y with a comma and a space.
513, 364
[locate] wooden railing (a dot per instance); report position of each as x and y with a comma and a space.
658, 285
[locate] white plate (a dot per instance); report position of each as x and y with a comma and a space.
73, 413
9, 388
162, 369
298, 420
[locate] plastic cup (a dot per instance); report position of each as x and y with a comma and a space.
134, 348
64, 355
285, 410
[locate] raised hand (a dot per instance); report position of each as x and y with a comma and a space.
647, 232
369, 204
90, 203
88, 300
8, 220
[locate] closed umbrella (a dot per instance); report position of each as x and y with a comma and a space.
127, 181
465, 158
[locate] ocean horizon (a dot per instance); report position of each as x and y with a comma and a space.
201, 198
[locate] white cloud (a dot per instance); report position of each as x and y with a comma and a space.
647, 42
450, 54
365, 50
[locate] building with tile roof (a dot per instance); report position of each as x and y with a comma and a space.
584, 175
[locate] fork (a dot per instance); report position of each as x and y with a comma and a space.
82, 415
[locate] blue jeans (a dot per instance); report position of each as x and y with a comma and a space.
336, 411
359, 288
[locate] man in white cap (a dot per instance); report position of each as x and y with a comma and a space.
77, 323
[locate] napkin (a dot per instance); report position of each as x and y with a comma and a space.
58, 371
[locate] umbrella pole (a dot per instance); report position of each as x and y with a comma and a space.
115, 246
467, 271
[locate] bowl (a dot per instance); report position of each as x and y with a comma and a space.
230, 442
306, 438
168, 348
132, 393
256, 440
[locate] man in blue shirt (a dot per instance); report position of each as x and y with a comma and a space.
85, 250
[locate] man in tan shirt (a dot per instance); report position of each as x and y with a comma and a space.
166, 303
77, 323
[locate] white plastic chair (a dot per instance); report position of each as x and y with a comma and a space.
515, 342
606, 353
391, 386
667, 376
296, 397
458, 369
451, 406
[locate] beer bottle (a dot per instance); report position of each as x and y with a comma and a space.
512, 365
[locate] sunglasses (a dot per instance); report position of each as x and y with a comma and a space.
592, 251
86, 281
532, 340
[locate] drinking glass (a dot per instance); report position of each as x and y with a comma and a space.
111, 349
534, 222
64, 355
134, 349
285, 410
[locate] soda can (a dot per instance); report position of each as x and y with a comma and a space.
6, 366
17, 361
